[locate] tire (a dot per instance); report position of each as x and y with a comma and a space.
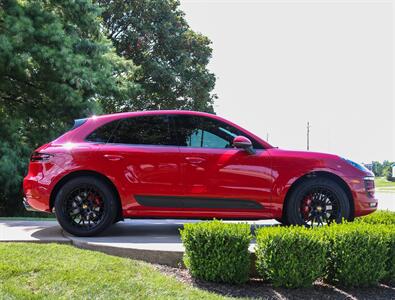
85, 206
314, 199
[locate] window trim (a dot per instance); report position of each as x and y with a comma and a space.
172, 127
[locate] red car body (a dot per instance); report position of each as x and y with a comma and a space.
172, 174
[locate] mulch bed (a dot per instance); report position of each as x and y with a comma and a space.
257, 288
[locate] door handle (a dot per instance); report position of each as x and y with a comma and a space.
113, 157
195, 160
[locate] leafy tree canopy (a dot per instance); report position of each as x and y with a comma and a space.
172, 58
54, 60
382, 169
55, 65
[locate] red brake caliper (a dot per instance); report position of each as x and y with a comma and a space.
306, 206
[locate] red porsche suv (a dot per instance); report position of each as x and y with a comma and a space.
184, 164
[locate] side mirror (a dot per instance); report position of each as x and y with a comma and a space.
241, 142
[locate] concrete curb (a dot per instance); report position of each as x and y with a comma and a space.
161, 257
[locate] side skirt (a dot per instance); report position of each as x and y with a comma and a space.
197, 202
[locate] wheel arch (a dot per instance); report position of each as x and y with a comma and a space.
321, 174
79, 173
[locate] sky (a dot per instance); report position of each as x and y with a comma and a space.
280, 64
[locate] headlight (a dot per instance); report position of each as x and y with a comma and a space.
357, 165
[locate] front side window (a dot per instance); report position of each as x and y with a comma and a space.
203, 132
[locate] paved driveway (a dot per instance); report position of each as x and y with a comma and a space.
139, 234
156, 241
386, 200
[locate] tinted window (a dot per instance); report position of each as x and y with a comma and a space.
147, 130
204, 132
103, 133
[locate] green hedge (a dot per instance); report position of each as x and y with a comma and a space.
358, 254
291, 257
387, 218
379, 217
216, 251
390, 231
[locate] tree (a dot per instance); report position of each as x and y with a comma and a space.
55, 65
387, 169
382, 169
377, 168
13, 153
172, 58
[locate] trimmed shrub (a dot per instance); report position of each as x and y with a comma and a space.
390, 269
391, 262
217, 251
379, 217
358, 254
291, 256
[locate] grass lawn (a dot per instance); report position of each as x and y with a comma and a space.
382, 182
41, 271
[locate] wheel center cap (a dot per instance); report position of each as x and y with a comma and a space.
84, 206
319, 208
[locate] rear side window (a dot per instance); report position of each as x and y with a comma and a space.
103, 133
146, 130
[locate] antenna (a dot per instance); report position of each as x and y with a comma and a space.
308, 135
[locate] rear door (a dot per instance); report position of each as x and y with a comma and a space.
143, 158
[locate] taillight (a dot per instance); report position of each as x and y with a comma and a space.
39, 156
369, 186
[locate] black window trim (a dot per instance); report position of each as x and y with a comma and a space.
172, 131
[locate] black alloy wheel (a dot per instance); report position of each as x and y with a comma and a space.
317, 202
85, 206
320, 206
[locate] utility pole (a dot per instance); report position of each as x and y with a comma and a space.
308, 135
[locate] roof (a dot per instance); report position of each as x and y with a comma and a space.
154, 112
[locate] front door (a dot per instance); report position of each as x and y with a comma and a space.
220, 180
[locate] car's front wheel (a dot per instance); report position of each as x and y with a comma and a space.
317, 201
85, 206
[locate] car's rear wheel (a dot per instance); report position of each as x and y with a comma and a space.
85, 206
316, 202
